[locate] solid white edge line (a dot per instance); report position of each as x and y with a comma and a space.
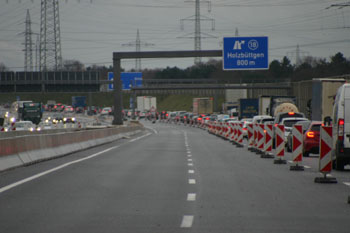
191, 197
13, 185
346, 183
155, 131
187, 221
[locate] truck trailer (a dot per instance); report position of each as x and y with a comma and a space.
202, 105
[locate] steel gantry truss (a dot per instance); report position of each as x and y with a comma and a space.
50, 36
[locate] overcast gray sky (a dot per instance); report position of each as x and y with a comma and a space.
90, 32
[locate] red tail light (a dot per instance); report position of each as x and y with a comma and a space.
199, 118
207, 118
14, 129
185, 117
276, 125
3, 129
341, 129
310, 134
244, 128
291, 113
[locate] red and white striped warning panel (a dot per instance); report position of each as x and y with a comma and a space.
250, 134
297, 154
279, 152
231, 132
240, 133
268, 138
260, 137
227, 133
255, 135
235, 132
325, 160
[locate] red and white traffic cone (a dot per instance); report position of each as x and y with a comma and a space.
297, 154
325, 160
279, 152
268, 142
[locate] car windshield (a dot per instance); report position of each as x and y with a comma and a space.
316, 127
290, 123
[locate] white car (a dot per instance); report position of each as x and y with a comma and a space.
288, 124
24, 126
106, 111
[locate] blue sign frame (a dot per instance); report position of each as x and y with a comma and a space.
129, 79
245, 53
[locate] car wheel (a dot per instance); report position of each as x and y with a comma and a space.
306, 154
339, 165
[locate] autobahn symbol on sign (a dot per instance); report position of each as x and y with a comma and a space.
245, 53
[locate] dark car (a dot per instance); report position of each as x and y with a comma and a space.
68, 120
57, 118
79, 110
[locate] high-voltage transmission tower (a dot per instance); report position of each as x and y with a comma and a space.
198, 35
28, 48
138, 45
298, 55
50, 36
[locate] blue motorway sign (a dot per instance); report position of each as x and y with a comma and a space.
245, 53
129, 79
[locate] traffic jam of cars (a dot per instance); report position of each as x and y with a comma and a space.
287, 117
34, 116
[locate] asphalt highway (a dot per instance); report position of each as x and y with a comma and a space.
171, 178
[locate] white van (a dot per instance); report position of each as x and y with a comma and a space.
341, 128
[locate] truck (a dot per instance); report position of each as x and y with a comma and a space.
146, 103
32, 112
324, 91
268, 104
78, 101
248, 108
202, 105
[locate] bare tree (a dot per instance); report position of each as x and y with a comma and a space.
3, 68
73, 65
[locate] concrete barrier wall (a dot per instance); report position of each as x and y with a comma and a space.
22, 150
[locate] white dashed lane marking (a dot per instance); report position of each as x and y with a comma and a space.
191, 181
187, 221
189, 160
347, 183
191, 171
191, 197
190, 164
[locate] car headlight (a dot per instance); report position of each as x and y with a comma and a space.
31, 129
73, 119
64, 119
38, 129
13, 119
